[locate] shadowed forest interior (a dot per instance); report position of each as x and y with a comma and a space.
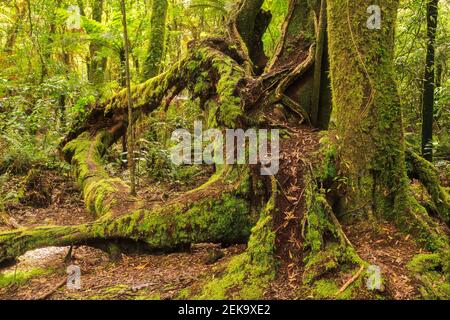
352, 96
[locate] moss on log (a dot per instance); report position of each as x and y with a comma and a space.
102, 193
220, 214
248, 274
206, 68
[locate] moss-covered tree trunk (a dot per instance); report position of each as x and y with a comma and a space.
247, 26
157, 39
366, 105
369, 134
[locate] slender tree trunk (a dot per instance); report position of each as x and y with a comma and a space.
155, 54
35, 40
123, 84
429, 84
130, 132
97, 65
315, 100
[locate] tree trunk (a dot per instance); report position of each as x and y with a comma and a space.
11, 34
130, 130
429, 83
366, 106
247, 27
97, 65
156, 48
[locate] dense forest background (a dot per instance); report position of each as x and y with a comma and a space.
62, 61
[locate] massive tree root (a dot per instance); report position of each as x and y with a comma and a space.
219, 214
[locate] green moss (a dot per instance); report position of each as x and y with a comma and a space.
328, 289
184, 294
316, 220
99, 189
427, 174
153, 296
325, 289
20, 277
425, 262
248, 274
328, 171
433, 272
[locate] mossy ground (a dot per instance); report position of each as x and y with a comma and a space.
20, 277
433, 271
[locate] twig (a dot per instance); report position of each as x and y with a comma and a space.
53, 290
351, 280
141, 286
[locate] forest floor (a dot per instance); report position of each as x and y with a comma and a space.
41, 272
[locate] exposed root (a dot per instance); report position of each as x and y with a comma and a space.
417, 221
297, 72
47, 294
351, 280
425, 172
214, 217
327, 244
